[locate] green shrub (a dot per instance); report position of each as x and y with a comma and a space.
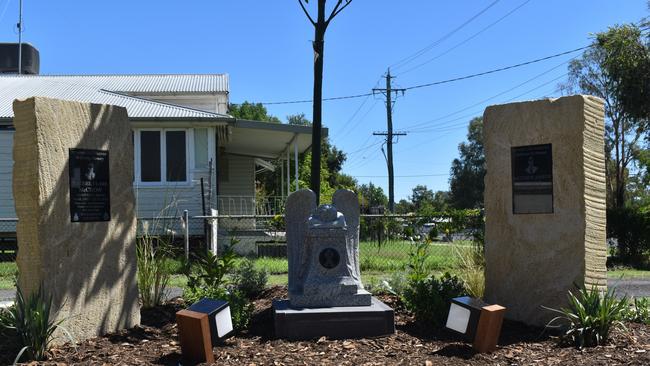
638, 311
209, 278
418, 256
248, 280
154, 270
30, 322
241, 309
590, 317
632, 229
429, 298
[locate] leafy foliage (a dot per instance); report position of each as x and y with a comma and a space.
208, 278
468, 171
248, 280
638, 311
429, 298
631, 227
590, 317
416, 265
251, 111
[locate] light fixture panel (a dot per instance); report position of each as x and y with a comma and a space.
224, 322
458, 318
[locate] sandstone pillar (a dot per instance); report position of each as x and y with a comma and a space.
544, 203
83, 255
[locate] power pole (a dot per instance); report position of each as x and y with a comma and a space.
388, 92
20, 38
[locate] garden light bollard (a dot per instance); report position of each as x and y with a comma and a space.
194, 336
479, 322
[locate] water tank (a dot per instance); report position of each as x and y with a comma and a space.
9, 59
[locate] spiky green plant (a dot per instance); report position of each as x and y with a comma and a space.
590, 317
154, 271
33, 323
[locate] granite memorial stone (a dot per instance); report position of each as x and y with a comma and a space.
326, 296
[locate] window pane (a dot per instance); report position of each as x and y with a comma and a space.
201, 148
176, 156
150, 156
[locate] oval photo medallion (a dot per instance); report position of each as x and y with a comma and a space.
329, 258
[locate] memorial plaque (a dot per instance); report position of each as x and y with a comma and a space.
532, 179
89, 186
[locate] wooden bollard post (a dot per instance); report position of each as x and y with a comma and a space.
489, 328
194, 334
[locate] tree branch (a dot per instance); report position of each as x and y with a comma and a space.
306, 13
337, 10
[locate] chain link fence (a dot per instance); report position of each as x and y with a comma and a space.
8, 242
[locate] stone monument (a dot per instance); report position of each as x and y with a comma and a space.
544, 203
73, 190
325, 289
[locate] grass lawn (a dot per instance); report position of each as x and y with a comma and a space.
628, 273
7, 272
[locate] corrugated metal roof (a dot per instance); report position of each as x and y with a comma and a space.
160, 83
68, 88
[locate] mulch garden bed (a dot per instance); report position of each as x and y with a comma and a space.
155, 343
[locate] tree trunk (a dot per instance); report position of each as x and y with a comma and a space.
617, 125
319, 47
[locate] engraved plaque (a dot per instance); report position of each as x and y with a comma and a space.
329, 258
89, 185
532, 179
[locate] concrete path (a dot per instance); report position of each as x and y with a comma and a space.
632, 287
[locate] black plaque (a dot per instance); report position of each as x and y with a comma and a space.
329, 258
89, 186
532, 179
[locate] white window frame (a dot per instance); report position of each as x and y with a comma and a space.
163, 158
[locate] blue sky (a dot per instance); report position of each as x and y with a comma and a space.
265, 47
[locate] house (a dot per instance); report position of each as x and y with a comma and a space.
182, 135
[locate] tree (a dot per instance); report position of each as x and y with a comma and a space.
371, 196
627, 62
251, 111
298, 120
468, 171
320, 26
421, 196
590, 75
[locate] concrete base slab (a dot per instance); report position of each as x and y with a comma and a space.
340, 322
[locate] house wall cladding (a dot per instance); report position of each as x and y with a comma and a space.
6, 166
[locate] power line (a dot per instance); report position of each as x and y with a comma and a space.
324, 99
496, 70
416, 126
471, 76
402, 176
466, 39
424, 50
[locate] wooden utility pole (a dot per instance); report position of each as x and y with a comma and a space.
388, 92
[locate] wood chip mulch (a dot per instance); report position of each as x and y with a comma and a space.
155, 343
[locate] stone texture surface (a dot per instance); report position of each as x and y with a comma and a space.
532, 260
316, 233
89, 269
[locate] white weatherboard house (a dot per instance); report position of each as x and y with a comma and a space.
181, 133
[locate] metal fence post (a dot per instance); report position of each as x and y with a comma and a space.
186, 220
215, 230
